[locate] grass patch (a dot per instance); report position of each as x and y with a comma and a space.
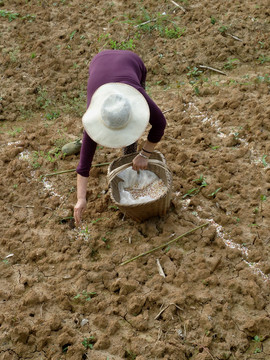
11, 15
50, 156
74, 105
15, 132
165, 25
263, 59
116, 44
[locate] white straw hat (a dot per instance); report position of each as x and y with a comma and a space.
117, 115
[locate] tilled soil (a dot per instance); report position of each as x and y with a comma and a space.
63, 292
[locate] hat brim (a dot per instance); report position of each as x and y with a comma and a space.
105, 136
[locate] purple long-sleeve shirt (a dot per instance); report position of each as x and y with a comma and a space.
121, 66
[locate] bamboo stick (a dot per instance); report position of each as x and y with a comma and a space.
163, 245
72, 170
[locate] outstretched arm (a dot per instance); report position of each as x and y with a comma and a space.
87, 153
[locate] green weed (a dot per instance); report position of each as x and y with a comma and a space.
194, 76
62, 140
253, 225
231, 64
29, 17
13, 55
194, 191
66, 219
122, 45
75, 105
113, 207
85, 295
196, 90
222, 29
88, 343
116, 44
43, 100
263, 79
262, 199
194, 72
9, 14
106, 241
263, 59
52, 115
15, 132
94, 254
213, 20
35, 162
97, 220
130, 355
265, 163
161, 23
174, 33
200, 181
258, 341
85, 231
71, 36
50, 156
191, 192
257, 350
213, 194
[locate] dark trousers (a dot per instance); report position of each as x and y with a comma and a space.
130, 149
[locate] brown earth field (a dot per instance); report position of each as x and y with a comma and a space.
63, 292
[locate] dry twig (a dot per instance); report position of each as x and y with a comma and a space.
25, 206
146, 22
234, 37
165, 111
213, 69
180, 7
165, 308
208, 352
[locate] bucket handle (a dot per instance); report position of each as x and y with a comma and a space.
116, 171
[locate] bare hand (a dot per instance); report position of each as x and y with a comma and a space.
139, 163
79, 209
